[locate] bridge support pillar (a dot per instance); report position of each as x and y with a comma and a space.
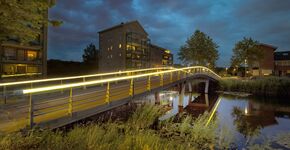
206, 100
206, 86
157, 98
190, 87
181, 94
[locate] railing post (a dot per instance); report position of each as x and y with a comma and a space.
70, 102
149, 83
116, 75
30, 112
108, 93
131, 90
178, 75
84, 80
4, 94
102, 84
161, 79
61, 84
171, 77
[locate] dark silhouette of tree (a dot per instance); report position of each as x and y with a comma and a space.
246, 49
91, 55
23, 20
199, 49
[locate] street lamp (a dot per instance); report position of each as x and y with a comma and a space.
226, 70
245, 67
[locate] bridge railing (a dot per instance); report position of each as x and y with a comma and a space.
9, 88
45, 104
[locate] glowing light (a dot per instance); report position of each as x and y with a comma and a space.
246, 110
58, 87
167, 51
83, 76
214, 110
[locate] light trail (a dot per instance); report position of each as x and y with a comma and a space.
83, 76
50, 88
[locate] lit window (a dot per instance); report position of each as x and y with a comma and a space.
31, 55
120, 45
111, 56
120, 54
111, 47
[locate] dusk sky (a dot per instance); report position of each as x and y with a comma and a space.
170, 22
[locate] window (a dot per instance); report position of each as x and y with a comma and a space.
10, 54
31, 55
120, 45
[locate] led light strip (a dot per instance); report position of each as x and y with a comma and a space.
50, 88
83, 76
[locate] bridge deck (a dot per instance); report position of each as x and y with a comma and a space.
59, 107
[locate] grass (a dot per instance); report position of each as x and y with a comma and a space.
267, 86
141, 131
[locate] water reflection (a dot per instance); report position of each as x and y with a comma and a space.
192, 103
248, 119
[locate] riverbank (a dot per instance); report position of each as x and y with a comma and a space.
266, 87
140, 131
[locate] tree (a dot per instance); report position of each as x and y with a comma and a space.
91, 55
199, 49
24, 19
246, 50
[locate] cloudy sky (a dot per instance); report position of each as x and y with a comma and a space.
170, 22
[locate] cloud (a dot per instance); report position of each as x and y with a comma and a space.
170, 22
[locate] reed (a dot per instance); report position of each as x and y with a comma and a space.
138, 132
267, 86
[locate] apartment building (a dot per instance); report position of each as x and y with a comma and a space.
127, 46
17, 60
160, 56
282, 63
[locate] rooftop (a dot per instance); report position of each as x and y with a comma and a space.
122, 24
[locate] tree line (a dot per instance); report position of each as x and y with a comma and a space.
200, 49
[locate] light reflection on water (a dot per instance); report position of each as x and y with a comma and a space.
246, 118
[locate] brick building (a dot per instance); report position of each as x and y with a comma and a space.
282, 63
125, 46
265, 66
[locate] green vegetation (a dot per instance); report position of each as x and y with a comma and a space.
246, 50
23, 20
199, 49
91, 55
141, 131
267, 86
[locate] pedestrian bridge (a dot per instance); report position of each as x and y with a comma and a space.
55, 102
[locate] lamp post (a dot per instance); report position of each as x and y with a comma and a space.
245, 67
226, 70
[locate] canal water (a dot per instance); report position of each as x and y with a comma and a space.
249, 120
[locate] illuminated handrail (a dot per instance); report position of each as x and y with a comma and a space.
82, 76
73, 85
